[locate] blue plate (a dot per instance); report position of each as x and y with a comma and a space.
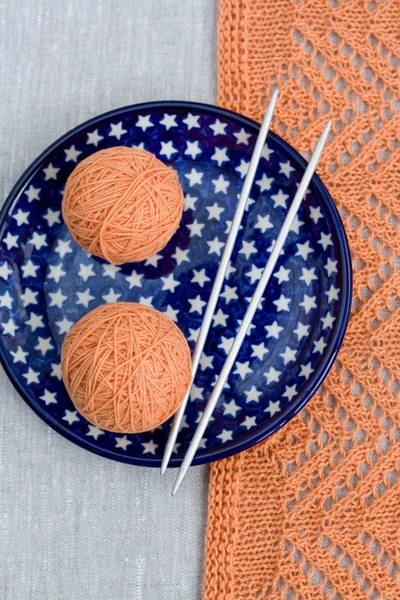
47, 282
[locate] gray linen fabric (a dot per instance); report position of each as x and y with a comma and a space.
74, 525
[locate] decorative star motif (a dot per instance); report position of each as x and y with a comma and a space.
200, 277
273, 408
220, 185
243, 168
258, 350
84, 298
195, 177
331, 267
242, 369
192, 121
153, 260
327, 321
225, 436
266, 152
181, 256
6, 300
304, 250
85, 271
286, 168
122, 442
117, 130
56, 370
226, 344
144, 122
272, 375
282, 304
64, 326
189, 202
265, 183
319, 345
248, 249
195, 228
110, 270
308, 275
252, 395
50, 172
229, 293
9, 327
149, 447
31, 376
57, 298
273, 330
167, 149
29, 297
169, 283
112, 296
5, 271
231, 408
220, 156
48, 397
52, 217
35, 321
249, 422
242, 137
38, 240
295, 227
196, 393
44, 345
29, 269
72, 154
193, 149
218, 127
325, 240
11, 241
308, 303
306, 370
94, 432
301, 331
219, 318
254, 273
288, 355
19, 355
21, 217
279, 199
282, 275
56, 272
63, 248
146, 301
332, 293
32, 193
169, 121
197, 305
171, 313
215, 246
215, 211
315, 214
94, 138
263, 223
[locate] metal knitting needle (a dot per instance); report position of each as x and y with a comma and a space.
220, 276
262, 284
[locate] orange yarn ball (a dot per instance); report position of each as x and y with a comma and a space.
122, 204
126, 367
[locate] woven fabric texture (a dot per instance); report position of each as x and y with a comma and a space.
314, 512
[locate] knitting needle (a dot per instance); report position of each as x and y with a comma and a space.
262, 284
220, 276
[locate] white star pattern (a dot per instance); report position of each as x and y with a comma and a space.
94, 138
167, 149
72, 154
169, 121
212, 198
144, 122
32, 193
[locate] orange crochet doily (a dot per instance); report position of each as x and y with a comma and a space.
314, 512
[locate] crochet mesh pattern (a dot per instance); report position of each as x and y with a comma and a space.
314, 512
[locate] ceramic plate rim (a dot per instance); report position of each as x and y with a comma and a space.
275, 423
